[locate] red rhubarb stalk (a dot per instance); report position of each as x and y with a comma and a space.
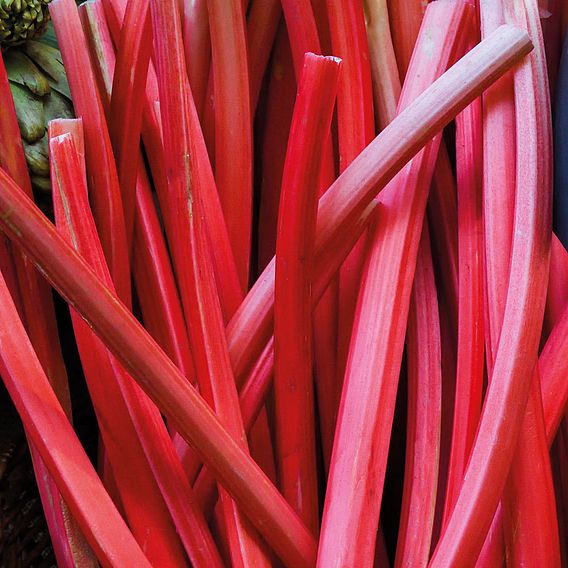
192, 260
367, 405
233, 126
355, 129
57, 444
293, 384
354, 98
126, 104
154, 281
139, 420
161, 379
35, 305
197, 46
303, 33
103, 177
262, 25
352, 192
277, 118
505, 403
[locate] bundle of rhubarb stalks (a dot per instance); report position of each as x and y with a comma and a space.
312, 279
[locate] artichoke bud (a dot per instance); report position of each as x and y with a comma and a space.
41, 93
21, 20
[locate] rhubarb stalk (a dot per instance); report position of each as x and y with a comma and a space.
35, 304
423, 343
293, 384
57, 444
197, 46
139, 420
424, 364
470, 338
303, 33
193, 263
126, 104
233, 126
352, 192
505, 403
103, 176
355, 129
369, 394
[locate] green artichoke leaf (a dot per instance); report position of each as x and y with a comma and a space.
57, 106
49, 60
21, 70
37, 157
41, 184
30, 113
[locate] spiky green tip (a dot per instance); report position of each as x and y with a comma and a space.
21, 20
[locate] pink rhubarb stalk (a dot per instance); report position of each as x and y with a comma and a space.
424, 364
364, 425
529, 502
506, 398
470, 338
423, 344
352, 192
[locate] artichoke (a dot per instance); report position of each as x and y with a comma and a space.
21, 20
37, 80
41, 93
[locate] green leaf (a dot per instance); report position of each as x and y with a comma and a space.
31, 116
57, 106
21, 70
37, 157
